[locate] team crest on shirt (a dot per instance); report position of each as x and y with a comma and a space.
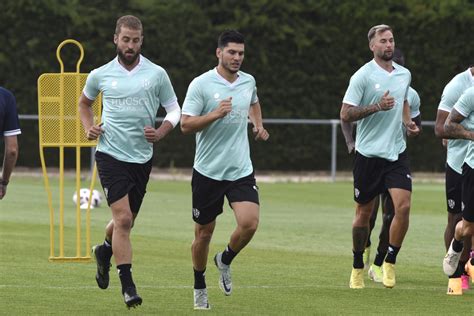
451, 203
146, 84
196, 213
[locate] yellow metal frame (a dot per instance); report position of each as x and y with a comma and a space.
60, 127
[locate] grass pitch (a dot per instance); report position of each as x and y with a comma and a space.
298, 263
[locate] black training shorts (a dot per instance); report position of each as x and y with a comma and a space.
208, 195
453, 185
468, 193
373, 176
119, 178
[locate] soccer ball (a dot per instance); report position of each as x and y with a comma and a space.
96, 198
83, 199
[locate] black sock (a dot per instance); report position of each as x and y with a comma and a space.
199, 279
457, 245
358, 260
125, 274
379, 257
458, 272
106, 250
228, 255
392, 254
462, 266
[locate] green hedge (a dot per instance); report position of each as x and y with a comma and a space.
302, 54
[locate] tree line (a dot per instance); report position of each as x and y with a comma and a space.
302, 54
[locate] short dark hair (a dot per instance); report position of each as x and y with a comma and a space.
230, 36
398, 57
128, 21
378, 29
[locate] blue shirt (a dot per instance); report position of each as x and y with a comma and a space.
9, 122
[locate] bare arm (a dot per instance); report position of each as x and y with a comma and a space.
350, 113
155, 135
412, 128
255, 116
347, 130
87, 118
453, 127
9, 161
193, 124
441, 117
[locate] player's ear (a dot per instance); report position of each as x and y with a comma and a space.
218, 52
115, 39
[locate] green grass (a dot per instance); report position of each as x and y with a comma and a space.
298, 263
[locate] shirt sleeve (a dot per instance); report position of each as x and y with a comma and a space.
91, 88
414, 102
166, 92
355, 91
465, 104
194, 101
449, 97
12, 123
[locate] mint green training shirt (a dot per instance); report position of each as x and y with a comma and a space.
380, 134
465, 107
130, 101
222, 148
457, 148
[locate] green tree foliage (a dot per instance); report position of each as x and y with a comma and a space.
301, 52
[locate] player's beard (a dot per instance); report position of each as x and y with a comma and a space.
127, 60
230, 69
387, 56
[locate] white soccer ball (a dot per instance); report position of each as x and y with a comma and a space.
84, 195
96, 198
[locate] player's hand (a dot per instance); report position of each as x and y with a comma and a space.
94, 132
350, 147
224, 107
260, 133
387, 102
150, 134
412, 129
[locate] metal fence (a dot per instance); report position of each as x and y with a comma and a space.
334, 123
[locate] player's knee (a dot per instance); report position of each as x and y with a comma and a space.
204, 236
468, 229
250, 226
123, 222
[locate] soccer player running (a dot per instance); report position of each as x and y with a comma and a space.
377, 99
217, 107
9, 129
460, 125
375, 269
456, 152
133, 88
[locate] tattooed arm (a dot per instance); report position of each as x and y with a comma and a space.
350, 113
453, 127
